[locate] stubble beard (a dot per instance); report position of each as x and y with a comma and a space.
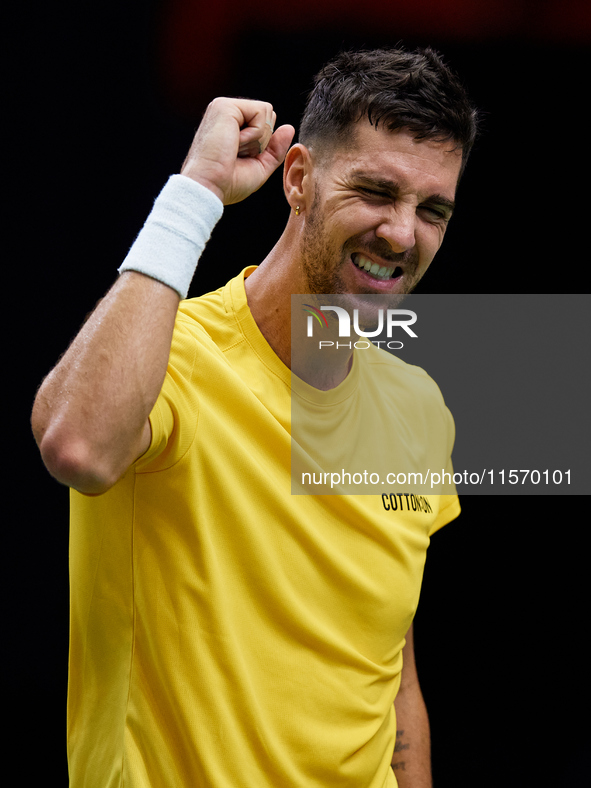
322, 266
321, 274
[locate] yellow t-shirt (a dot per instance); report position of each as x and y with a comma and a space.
225, 633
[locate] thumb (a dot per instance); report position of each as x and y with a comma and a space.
276, 150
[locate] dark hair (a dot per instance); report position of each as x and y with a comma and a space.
393, 87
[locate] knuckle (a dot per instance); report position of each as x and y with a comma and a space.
218, 103
264, 107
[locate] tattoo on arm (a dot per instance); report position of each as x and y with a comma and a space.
399, 747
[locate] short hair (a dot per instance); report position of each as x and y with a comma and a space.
415, 91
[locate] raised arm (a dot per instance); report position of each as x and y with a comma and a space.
90, 417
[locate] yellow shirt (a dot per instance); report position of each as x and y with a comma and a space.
225, 633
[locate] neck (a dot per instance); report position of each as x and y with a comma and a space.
268, 293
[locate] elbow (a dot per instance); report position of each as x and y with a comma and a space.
72, 462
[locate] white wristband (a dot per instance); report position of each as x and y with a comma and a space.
171, 241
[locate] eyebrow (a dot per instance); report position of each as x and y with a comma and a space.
392, 188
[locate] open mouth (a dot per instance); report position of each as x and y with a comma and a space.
379, 272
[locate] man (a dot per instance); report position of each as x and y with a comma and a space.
224, 632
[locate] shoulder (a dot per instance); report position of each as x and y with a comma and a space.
388, 369
202, 311
218, 315
208, 318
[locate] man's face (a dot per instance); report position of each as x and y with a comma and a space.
380, 210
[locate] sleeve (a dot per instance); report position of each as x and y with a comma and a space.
449, 509
449, 505
175, 415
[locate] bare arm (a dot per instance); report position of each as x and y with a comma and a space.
90, 416
411, 760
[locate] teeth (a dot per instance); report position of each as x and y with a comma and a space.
380, 272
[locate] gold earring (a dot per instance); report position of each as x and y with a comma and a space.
297, 210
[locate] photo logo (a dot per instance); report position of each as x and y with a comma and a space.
387, 319
314, 313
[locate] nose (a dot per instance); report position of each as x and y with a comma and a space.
398, 228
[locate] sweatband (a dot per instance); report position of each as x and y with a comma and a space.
171, 241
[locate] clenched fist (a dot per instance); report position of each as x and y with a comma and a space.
235, 149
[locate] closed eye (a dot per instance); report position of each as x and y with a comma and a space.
373, 193
439, 214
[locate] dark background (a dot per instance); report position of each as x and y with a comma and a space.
102, 101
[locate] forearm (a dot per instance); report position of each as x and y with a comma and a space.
90, 414
411, 759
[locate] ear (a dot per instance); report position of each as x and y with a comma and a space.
297, 176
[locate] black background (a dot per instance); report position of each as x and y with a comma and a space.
93, 136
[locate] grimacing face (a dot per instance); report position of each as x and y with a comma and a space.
379, 213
